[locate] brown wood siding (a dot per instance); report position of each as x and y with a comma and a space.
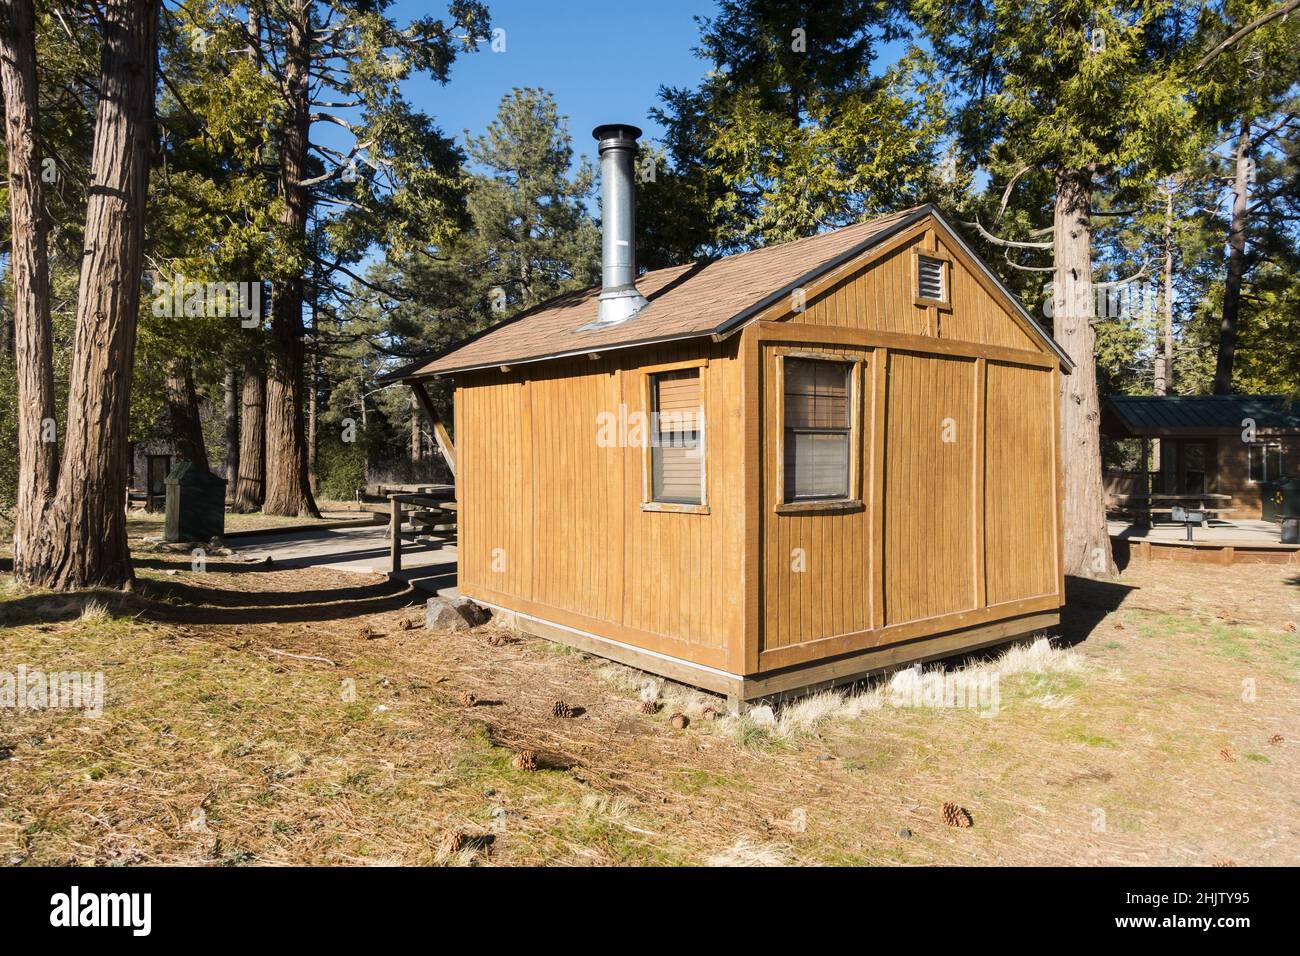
881, 295
975, 315
536, 482
1020, 533
493, 479
817, 564
929, 562
576, 483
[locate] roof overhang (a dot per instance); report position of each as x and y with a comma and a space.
752, 311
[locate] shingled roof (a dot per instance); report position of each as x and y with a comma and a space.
1154, 415
685, 302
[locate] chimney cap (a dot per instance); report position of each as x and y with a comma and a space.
616, 134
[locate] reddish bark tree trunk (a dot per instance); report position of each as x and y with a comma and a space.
183, 409
287, 489
1087, 541
83, 541
30, 273
230, 416
1236, 265
250, 486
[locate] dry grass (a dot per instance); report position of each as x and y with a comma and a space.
217, 748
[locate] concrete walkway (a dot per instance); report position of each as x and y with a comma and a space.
1237, 532
427, 563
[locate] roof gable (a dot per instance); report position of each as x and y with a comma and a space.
690, 301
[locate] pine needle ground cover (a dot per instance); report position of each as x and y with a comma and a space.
267, 716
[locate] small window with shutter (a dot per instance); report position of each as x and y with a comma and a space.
676, 438
818, 429
932, 279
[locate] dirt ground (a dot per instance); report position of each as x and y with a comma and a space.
255, 715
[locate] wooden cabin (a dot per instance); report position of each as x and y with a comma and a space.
1222, 444
786, 468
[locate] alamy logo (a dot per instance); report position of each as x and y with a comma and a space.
103, 909
25, 689
221, 300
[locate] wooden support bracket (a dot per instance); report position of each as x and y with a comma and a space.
440, 434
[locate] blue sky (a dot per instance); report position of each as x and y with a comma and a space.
604, 62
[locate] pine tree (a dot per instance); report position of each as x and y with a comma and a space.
1090, 97
791, 133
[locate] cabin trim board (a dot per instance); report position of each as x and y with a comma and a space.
802, 679
702, 654
831, 336
920, 629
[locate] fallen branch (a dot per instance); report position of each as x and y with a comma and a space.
304, 657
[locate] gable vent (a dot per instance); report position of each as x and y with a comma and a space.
930, 279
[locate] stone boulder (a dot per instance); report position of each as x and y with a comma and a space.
453, 614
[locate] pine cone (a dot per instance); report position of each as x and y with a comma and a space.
680, 721
452, 842
1224, 862
497, 639
956, 816
467, 699
405, 624
1226, 754
525, 760
649, 707
709, 714
1276, 740
561, 710
368, 632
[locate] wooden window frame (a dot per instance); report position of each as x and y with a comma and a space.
1264, 446
648, 503
942, 257
853, 501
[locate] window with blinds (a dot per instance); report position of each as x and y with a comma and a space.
818, 427
930, 279
677, 438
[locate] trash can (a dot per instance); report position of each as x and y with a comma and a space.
196, 504
1280, 498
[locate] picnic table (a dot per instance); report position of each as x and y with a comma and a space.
1147, 505
429, 510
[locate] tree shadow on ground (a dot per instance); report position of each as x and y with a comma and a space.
181, 602
216, 606
1087, 603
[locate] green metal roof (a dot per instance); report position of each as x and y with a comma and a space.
1154, 414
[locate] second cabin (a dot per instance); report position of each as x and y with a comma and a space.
784, 468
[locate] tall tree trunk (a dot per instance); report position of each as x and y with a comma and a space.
230, 421
1087, 541
313, 385
183, 410
1236, 264
416, 448
250, 485
1164, 364
29, 268
83, 543
287, 489
1165, 361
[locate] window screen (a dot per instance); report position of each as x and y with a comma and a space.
930, 279
677, 433
817, 429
